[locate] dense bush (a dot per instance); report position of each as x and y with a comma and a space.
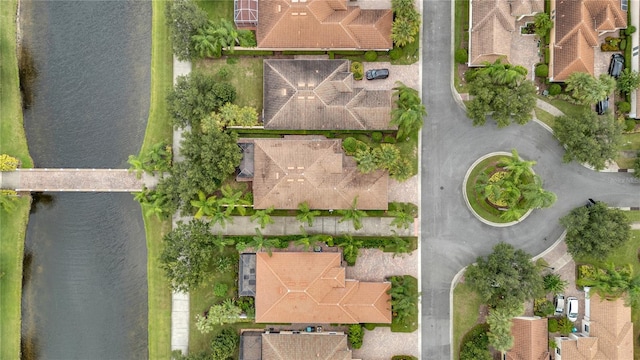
395, 53
220, 289
546, 55
630, 30
357, 69
623, 107
389, 139
565, 327
542, 70
369, 326
636, 165
461, 56
224, 345
629, 125
553, 325
351, 146
623, 44
543, 307
376, 136
475, 344
371, 56
555, 89
8, 163
356, 336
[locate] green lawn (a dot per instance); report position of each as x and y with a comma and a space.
626, 254
545, 117
477, 202
217, 9
461, 35
566, 107
158, 129
466, 303
630, 141
12, 225
245, 76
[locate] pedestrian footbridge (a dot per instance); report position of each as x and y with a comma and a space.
75, 180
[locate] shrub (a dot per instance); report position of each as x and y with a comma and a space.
630, 30
220, 290
332, 55
357, 69
356, 336
543, 307
475, 344
395, 53
349, 145
553, 325
623, 44
389, 139
371, 56
8, 163
403, 357
542, 70
370, 326
623, 107
224, 345
546, 55
636, 166
555, 89
224, 73
376, 136
461, 56
565, 326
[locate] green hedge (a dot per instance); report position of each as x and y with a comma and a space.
248, 53
303, 52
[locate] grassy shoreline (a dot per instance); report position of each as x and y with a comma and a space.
158, 129
12, 142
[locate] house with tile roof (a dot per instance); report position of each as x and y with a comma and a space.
321, 95
310, 287
575, 37
289, 171
530, 339
492, 26
607, 332
286, 345
322, 24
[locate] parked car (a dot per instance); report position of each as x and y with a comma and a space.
602, 106
616, 65
375, 74
559, 303
572, 309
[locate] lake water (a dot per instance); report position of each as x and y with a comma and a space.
85, 287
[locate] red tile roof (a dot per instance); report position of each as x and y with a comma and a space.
530, 339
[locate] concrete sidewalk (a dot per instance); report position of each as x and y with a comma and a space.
330, 225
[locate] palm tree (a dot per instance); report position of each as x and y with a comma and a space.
260, 243
409, 113
263, 217
386, 156
535, 196
504, 74
553, 283
226, 36
220, 242
400, 245
402, 217
159, 157
612, 283
305, 214
218, 215
366, 161
307, 241
233, 200
206, 205
204, 42
353, 214
516, 167
137, 165
402, 32
350, 248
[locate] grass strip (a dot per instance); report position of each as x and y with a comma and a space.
466, 303
13, 225
545, 117
158, 129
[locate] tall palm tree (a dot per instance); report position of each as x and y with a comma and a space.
305, 214
516, 167
204, 42
260, 243
137, 165
535, 196
263, 217
350, 248
504, 74
220, 242
409, 113
402, 32
353, 214
386, 156
220, 216
233, 200
366, 161
206, 205
159, 156
400, 245
307, 241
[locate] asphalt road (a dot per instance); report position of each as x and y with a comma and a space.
451, 236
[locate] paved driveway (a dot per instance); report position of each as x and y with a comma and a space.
407, 74
451, 236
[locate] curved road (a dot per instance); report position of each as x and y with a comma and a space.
451, 236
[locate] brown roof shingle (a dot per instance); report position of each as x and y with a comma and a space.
305, 346
491, 29
611, 323
531, 339
577, 24
310, 288
322, 24
321, 95
526, 7
289, 172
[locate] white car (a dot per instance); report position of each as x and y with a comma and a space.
572, 309
559, 303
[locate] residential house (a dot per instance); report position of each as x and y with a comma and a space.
286, 172
321, 95
318, 24
294, 346
311, 287
492, 25
577, 26
530, 339
607, 332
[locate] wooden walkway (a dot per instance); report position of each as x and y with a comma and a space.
75, 180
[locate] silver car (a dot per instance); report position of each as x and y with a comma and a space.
559, 303
572, 309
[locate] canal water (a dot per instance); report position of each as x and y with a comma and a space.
85, 285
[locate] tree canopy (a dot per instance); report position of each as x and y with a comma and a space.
586, 89
506, 276
187, 254
628, 81
184, 19
502, 91
589, 138
595, 231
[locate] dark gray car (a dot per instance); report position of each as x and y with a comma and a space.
616, 65
375, 74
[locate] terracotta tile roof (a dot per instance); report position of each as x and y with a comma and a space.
526, 7
610, 322
289, 172
577, 25
322, 24
584, 348
320, 95
304, 347
491, 29
307, 288
531, 339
